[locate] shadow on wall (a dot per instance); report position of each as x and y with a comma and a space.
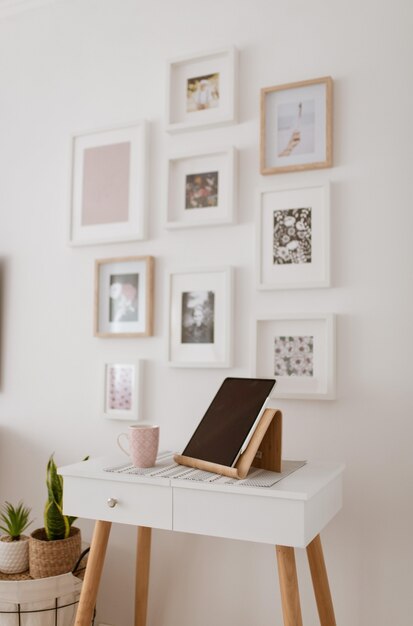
22, 469
2, 289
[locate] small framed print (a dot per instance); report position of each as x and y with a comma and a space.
201, 189
296, 126
200, 316
293, 238
201, 90
299, 351
122, 399
108, 185
124, 297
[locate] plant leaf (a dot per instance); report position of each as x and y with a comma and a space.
15, 519
54, 482
55, 523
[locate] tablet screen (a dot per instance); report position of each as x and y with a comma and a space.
228, 420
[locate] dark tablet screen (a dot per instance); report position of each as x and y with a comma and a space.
228, 420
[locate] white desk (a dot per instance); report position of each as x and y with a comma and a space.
289, 515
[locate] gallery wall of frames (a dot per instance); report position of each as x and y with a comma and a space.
108, 205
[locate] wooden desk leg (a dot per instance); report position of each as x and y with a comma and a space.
320, 582
93, 573
143, 558
290, 596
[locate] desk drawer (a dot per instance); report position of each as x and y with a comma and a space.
138, 504
240, 516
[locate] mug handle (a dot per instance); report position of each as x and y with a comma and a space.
120, 445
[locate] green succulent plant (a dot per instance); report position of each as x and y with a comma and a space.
57, 525
14, 519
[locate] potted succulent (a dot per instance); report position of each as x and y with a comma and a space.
14, 546
54, 549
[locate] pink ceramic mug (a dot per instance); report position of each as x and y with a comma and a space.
143, 444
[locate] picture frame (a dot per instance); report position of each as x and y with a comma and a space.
293, 238
122, 391
200, 189
297, 126
124, 297
201, 90
108, 185
299, 351
200, 305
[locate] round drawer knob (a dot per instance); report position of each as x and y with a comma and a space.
112, 502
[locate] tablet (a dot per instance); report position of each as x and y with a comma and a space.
229, 420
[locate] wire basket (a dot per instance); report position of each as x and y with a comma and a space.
42, 601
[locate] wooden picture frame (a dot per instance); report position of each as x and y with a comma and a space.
201, 188
201, 90
124, 297
108, 185
296, 129
293, 238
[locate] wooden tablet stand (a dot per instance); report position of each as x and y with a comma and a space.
263, 451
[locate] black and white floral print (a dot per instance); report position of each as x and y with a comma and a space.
292, 236
293, 356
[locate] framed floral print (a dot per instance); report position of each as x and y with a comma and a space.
124, 297
201, 189
299, 351
293, 238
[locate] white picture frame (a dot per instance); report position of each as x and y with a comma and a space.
297, 126
122, 391
300, 352
293, 238
124, 297
108, 185
200, 188
200, 314
201, 90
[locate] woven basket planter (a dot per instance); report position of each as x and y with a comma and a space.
52, 558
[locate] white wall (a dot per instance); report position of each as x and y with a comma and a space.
74, 65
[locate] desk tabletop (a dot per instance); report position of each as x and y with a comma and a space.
291, 512
302, 484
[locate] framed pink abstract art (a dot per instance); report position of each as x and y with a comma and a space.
108, 179
122, 390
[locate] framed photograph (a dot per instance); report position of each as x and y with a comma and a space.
296, 126
108, 185
124, 297
299, 351
201, 189
122, 398
200, 305
201, 90
293, 238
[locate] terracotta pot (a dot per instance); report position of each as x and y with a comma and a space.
14, 555
51, 558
